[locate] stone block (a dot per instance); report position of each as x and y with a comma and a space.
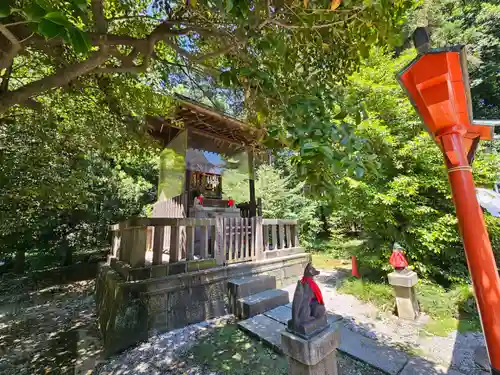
264, 328
159, 271
176, 268
404, 278
420, 366
246, 286
406, 302
327, 366
309, 329
311, 352
281, 314
197, 265
137, 274
295, 270
383, 357
261, 302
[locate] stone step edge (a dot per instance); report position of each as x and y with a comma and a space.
402, 371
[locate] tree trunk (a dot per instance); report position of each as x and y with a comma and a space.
19, 260
68, 256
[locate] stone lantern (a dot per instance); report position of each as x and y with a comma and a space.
403, 281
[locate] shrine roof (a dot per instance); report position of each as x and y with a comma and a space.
207, 122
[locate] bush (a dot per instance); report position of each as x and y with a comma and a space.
453, 308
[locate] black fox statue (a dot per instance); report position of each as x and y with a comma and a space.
308, 307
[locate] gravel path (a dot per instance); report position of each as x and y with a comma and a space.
455, 351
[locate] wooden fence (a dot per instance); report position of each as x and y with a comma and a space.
227, 240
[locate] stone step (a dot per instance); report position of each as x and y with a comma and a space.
246, 286
261, 302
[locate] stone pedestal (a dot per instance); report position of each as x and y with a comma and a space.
406, 299
316, 356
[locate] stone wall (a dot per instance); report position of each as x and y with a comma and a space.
131, 311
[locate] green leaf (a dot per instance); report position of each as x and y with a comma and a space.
310, 146
58, 18
229, 5
226, 77
341, 115
34, 12
364, 51
50, 29
5, 8
44, 4
245, 72
78, 40
81, 4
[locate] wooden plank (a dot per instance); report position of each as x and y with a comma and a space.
157, 221
274, 237
279, 222
244, 234
158, 241
296, 231
204, 230
259, 250
230, 227
137, 256
125, 246
238, 238
190, 243
281, 236
115, 243
265, 237
174, 244
219, 249
288, 236
252, 240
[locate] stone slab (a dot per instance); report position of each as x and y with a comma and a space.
420, 366
369, 351
281, 314
327, 366
312, 351
266, 329
332, 318
309, 329
481, 358
261, 302
246, 286
405, 279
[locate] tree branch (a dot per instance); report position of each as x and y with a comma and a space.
7, 58
297, 27
314, 27
100, 20
60, 78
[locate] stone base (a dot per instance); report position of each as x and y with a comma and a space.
131, 311
327, 366
309, 329
314, 356
406, 297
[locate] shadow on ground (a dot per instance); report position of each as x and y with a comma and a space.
49, 331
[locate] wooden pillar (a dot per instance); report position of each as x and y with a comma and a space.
251, 182
187, 191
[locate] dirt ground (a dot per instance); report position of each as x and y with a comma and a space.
49, 331
54, 331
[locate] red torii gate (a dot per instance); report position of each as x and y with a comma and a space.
437, 84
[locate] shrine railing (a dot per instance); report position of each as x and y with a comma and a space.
141, 242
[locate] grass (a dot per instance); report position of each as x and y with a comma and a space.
332, 253
452, 309
381, 295
324, 261
227, 350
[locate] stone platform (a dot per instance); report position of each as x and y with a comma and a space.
268, 327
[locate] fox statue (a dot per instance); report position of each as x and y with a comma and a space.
308, 305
